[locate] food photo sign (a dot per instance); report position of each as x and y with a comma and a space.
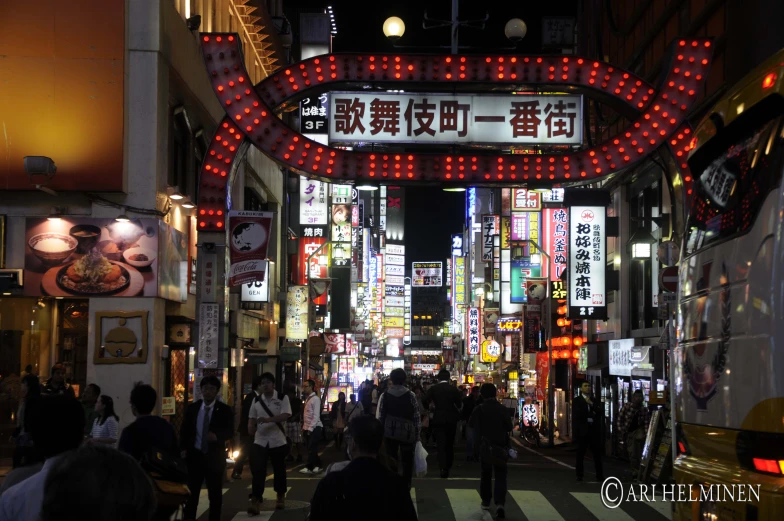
88, 257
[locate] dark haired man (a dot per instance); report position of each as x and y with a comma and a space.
633, 423
447, 400
246, 440
147, 432
265, 423
207, 426
312, 427
89, 397
56, 383
364, 485
22, 502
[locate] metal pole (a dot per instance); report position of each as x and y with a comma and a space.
455, 25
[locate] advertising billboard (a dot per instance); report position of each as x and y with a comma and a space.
426, 274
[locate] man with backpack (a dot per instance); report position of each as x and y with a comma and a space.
398, 412
366, 396
265, 420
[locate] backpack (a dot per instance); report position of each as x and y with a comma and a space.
398, 418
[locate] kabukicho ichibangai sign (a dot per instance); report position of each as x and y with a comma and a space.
463, 118
587, 253
249, 233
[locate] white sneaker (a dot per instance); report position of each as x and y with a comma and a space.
317, 470
486, 507
306, 471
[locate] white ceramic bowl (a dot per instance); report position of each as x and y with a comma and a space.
129, 253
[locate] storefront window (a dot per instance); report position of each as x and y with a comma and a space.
25, 335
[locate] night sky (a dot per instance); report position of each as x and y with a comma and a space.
433, 215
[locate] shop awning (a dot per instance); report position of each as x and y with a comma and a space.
598, 370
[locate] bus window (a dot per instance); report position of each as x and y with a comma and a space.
732, 188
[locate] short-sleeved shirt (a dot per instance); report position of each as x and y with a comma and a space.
269, 434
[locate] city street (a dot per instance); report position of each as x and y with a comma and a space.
542, 487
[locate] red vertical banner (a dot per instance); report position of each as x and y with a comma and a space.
307, 246
542, 373
556, 240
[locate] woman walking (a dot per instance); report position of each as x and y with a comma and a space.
105, 426
338, 414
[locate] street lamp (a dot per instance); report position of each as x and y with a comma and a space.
515, 30
518, 252
640, 244
394, 28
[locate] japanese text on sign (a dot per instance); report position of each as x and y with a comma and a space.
473, 331
587, 262
556, 222
312, 202
524, 200
436, 118
209, 319
491, 226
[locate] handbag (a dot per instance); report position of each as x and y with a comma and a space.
266, 409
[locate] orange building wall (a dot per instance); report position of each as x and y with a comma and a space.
61, 91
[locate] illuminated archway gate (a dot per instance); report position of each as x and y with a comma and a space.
250, 118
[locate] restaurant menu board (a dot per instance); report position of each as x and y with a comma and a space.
661, 467
650, 444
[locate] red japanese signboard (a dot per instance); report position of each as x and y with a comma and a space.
438, 118
307, 246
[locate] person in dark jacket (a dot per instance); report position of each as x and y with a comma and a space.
148, 433
56, 383
587, 430
469, 402
398, 412
492, 422
447, 400
246, 440
207, 426
364, 485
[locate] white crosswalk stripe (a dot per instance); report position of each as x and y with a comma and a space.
593, 502
466, 505
535, 506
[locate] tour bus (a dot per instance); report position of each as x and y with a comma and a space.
729, 360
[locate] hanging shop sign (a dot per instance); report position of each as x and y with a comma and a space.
525, 200
533, 325
491, 227
395, 269
552, 195
297, 314
341, 194
396, 260
519, 226
395, 280
425, 368
257, 291
536, 292
439, 118
473, 331
558, 290
460, 297
249, 233
491, 351
209, 336
394, 321
555, 239
395, 249
506, 232
624, 356
457, 245
509, 325
426, 274
313, 204
587, 262
334, 343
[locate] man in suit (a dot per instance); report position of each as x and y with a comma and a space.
208, 425
246, 440
447, 400
587, 429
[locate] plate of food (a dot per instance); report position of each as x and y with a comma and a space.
93, 274
139, 257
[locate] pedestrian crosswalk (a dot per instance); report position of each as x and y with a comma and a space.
465, 505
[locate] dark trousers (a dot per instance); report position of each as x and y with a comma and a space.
246, 449
312, 440
593, 441
486, 490
406, 457
258, 464
445, 439
201, 469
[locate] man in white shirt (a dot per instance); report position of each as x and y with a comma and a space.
265, 422
312, 427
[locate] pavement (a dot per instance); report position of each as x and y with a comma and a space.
542, 487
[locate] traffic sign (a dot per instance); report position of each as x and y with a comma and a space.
668, 253
668, 278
